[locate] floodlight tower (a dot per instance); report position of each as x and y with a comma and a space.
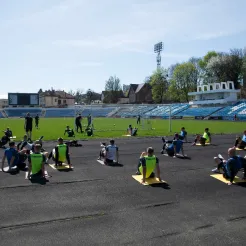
158, 49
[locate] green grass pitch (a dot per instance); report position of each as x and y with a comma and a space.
52, 128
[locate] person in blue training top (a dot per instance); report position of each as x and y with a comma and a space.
241, 142
175, 147
230, 167
13, 157
183, 134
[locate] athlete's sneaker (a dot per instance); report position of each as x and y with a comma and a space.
220, 157
215, 170
138, 173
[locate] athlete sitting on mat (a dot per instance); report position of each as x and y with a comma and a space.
230, 167
174, 148
14, 158
60, 153
129, 130
205, 138
73, 143
69, 132
147, 164
241, 142
4, 140
183, 134
8, 132
25, 144
112, 153
102, 152
36, 161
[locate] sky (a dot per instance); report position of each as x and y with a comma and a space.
71, 44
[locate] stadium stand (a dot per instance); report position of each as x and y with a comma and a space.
204, 111
97, 111
135, 111
21, 112
164, 111
59, 112
85, 111
228, 112
148, 111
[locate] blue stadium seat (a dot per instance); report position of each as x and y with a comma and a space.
70, 112
199, 111
163, 111
21, 112
228, 112
134, 111
59, 112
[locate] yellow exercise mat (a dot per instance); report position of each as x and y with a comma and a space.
126, 135
45, 172
222, 179
63, 167
148, 181
198, 144
240, 149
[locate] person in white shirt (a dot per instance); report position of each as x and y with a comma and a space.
112, 153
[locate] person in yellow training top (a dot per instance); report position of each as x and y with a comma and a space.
36, 161
147, 164
61, 153
205, 138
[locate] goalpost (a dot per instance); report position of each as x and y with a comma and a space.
146, 122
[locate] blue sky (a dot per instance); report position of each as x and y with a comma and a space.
70, 44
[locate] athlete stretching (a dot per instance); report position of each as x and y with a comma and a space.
230, 167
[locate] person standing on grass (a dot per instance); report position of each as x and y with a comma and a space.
78, 123
89, 121
28, 126
36, 121
139, 120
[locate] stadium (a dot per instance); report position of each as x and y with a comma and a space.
218, 109
190, 205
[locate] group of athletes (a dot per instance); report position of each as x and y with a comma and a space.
37, 157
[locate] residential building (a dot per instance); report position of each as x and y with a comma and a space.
140, 93
52, 98
3, 103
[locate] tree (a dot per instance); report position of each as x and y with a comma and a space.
78, 94
227, 67
159, 84
113, 90
204, 61
205, 76
199, 71
184, 81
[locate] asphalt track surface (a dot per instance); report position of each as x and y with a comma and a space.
101, 205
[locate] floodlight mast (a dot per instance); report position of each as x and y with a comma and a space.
157, 49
